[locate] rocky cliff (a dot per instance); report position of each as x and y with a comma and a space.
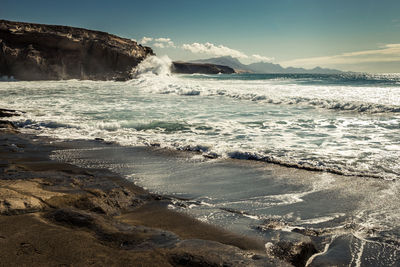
188, 68
46, 52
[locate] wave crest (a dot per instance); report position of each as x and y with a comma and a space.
153, 65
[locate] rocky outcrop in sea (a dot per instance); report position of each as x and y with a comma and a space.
203, 68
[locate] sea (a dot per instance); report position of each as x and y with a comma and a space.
268, 155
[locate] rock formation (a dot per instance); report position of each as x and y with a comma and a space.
189, 68
46, 52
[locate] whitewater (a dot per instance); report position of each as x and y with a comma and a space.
347, 124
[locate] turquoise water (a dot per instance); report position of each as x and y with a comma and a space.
352, 79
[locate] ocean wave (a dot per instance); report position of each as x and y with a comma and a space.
30, 124
314, 165
354, 106
256, 91
166, 126
348, 106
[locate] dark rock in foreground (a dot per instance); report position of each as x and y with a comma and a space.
46, 52
297, 253
189, 68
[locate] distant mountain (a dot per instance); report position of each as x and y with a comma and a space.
263, 67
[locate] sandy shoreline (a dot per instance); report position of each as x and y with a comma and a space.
59, 214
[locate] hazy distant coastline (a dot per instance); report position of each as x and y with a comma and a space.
264, 67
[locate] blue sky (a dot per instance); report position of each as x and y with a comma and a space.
358, 35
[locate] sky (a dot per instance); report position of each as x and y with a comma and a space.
353, 35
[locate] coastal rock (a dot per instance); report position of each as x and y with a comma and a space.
296, 253
295, 246
7, 126
12, 202
31, 51
8, 113
113, 233
22, 196
271, 224
110, 203
196, 252
190, 68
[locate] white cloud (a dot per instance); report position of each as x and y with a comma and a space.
146, 40
259, 58
211, 49
386, 53
205, 48
161, 42
159, 45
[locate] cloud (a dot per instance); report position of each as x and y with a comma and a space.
220, 50
167, 42
204, 48
146, 40
386, 53
259, 58
211, 49
161, 42
159, 45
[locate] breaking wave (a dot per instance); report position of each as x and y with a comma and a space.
153, 65
154, 76
309, 165
320, 103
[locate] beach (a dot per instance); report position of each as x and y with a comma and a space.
200, 134
72, 202
55, 213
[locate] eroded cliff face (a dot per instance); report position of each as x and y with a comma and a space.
45, 52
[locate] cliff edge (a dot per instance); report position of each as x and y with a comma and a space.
31, 51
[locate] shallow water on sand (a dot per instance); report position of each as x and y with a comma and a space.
357, 227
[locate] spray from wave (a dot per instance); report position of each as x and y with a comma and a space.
153, 65
153, 75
